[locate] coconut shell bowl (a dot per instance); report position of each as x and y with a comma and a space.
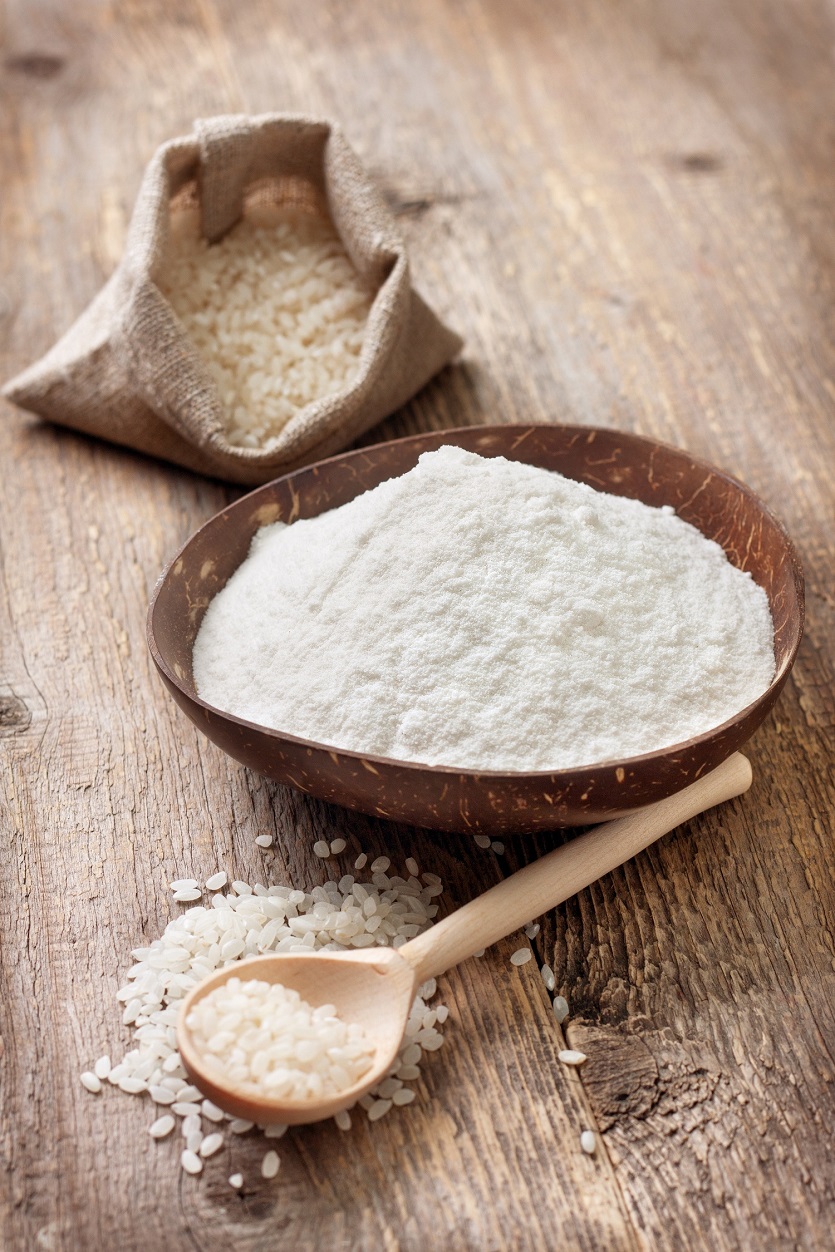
722, 508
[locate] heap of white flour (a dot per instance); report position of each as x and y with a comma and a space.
487, 615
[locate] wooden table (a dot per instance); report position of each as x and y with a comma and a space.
627, 209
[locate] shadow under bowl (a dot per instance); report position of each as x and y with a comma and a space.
722, 508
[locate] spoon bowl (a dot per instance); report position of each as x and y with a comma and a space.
375, 988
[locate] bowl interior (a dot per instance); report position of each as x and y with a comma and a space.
720, 507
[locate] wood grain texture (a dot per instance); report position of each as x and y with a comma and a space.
627, 211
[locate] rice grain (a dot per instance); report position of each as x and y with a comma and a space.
270, 1164
521, 956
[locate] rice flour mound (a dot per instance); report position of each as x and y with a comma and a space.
487, 615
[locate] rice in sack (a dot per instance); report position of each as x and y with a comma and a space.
129, 370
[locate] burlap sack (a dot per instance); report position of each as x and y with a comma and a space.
127, 371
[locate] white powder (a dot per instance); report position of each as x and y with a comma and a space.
484, 614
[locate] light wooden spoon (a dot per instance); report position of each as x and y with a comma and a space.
375, 987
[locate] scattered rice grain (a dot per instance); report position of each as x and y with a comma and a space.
190, 1161
211, 1144
276, 1131
270, 1164
560, 1009
570, 1056
161, 1127
521, 956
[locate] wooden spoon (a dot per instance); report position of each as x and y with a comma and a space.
375, 987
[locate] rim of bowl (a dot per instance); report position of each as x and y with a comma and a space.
780, 676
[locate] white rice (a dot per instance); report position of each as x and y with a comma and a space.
521, 956
161, 1127
270, 1164
588, 1142
247, 921
276, 309
570, 1056
264, 1040
211, 1144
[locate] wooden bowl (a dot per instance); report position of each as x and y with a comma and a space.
495, 803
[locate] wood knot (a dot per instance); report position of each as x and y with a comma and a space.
15, 717
696, 162
43, 65
621, 1076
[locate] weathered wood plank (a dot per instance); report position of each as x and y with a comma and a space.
626, 210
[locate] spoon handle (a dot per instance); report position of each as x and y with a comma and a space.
562, 873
